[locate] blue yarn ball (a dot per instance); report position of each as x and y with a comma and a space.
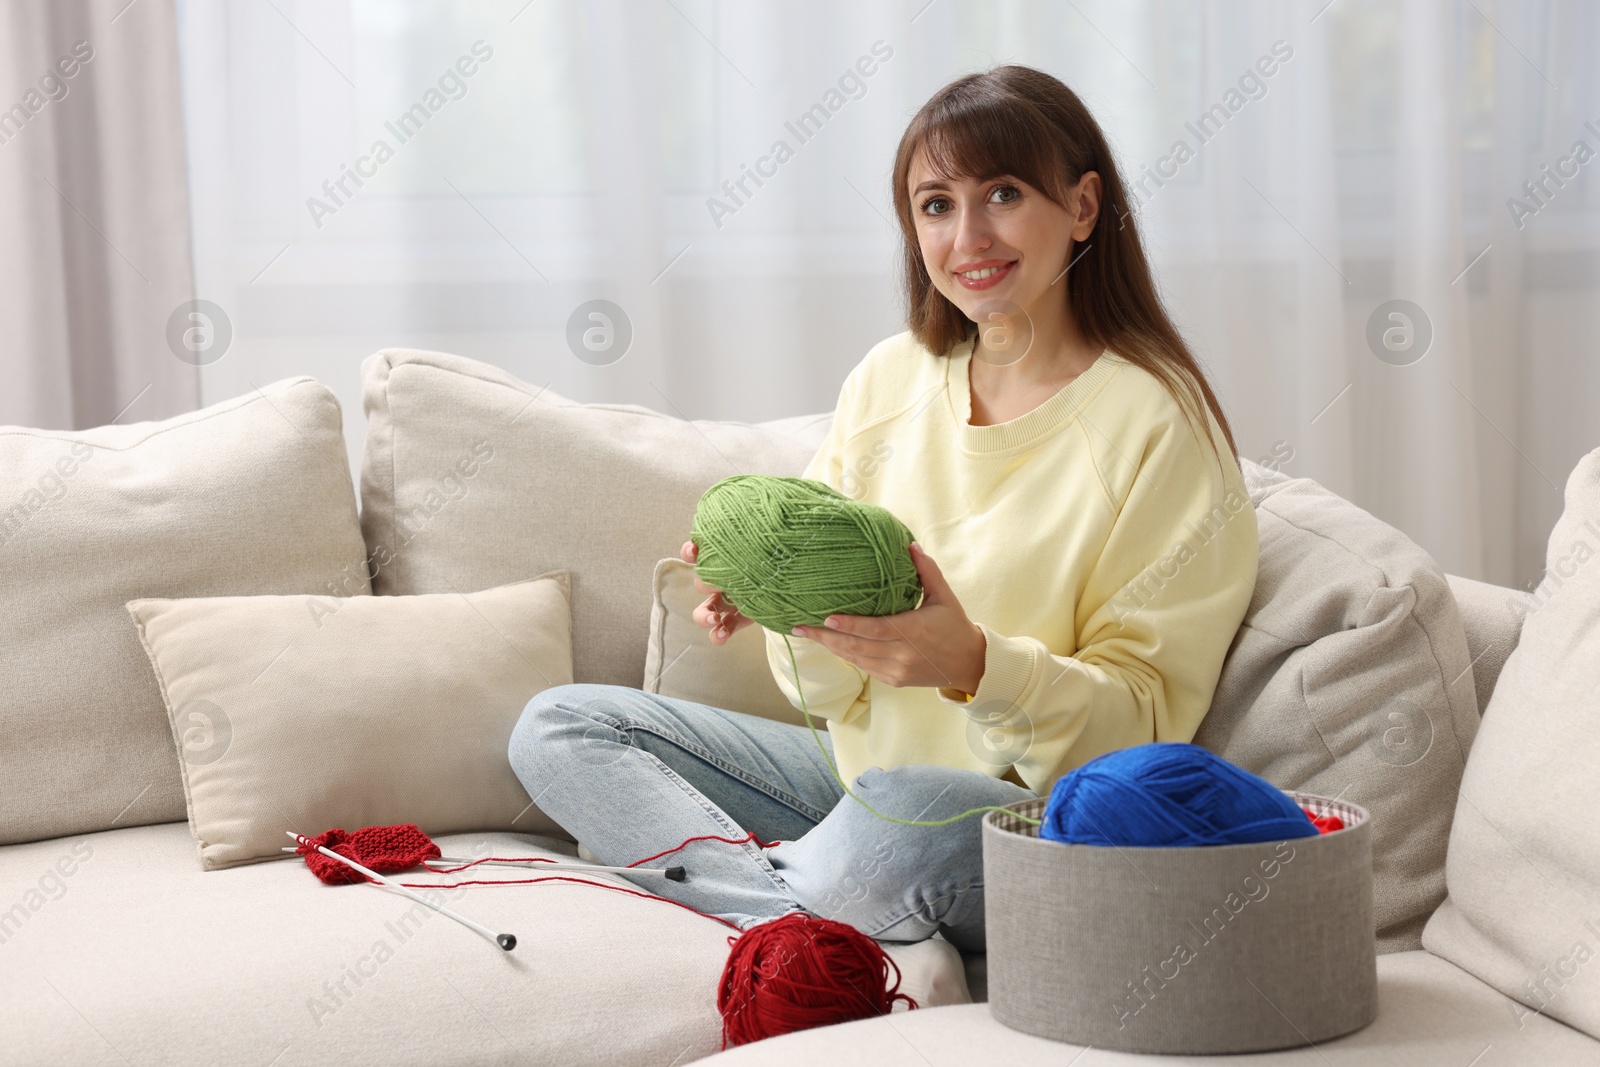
1168, 794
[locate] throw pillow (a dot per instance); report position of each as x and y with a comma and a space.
304, 713
472, 478
249, 496
1524, 868
1349, 677
680, 660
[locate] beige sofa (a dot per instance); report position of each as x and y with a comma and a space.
118, 945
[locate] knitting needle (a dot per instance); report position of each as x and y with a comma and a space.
505, 941
672, 874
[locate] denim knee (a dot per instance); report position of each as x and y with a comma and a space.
928, 793
550, 711
914, 785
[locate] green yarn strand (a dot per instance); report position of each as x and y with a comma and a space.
840, 778
790, 552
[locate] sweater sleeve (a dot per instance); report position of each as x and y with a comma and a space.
833, 688
1156, 616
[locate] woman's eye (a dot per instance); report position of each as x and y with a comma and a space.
940, 205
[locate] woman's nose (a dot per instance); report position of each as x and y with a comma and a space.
972, 233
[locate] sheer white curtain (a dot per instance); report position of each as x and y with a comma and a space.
1341, 157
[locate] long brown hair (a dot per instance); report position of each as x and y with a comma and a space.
1019, 121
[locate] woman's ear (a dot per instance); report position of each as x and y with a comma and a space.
1086, 209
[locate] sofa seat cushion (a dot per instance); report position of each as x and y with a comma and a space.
118, 948
1430, 1014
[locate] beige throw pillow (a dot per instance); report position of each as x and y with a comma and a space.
1524, 866
1349, 677
472, 478
305, 713
248, 496
680, 660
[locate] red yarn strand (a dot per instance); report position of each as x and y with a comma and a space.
751, 836
493, 859
388, 849
569, 878
785, 974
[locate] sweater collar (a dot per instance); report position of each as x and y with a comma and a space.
1045, 419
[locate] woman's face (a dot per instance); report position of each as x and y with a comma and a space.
998, 243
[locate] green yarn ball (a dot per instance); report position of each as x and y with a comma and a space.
792, 551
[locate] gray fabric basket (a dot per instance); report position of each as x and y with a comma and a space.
1217, 949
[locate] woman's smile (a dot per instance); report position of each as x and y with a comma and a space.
984, 275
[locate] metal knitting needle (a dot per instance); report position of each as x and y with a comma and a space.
673, 874
505, 941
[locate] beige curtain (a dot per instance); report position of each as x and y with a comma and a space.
94, 206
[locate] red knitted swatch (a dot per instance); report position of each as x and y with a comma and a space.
384, 849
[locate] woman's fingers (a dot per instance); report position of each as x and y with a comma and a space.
731, 624
716, 610
720, 617
714, 613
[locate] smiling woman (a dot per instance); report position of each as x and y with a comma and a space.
1044, 464
1006, 170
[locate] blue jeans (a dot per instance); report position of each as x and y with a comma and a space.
630, 774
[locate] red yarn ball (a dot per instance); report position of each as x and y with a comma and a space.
1325, 824
799, 971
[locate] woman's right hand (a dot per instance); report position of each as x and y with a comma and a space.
715, 614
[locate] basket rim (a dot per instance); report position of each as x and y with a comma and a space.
1001, 823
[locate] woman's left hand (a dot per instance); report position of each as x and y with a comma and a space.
934, 644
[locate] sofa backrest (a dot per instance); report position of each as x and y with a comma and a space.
1492, 616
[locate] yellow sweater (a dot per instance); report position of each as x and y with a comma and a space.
1107, 554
